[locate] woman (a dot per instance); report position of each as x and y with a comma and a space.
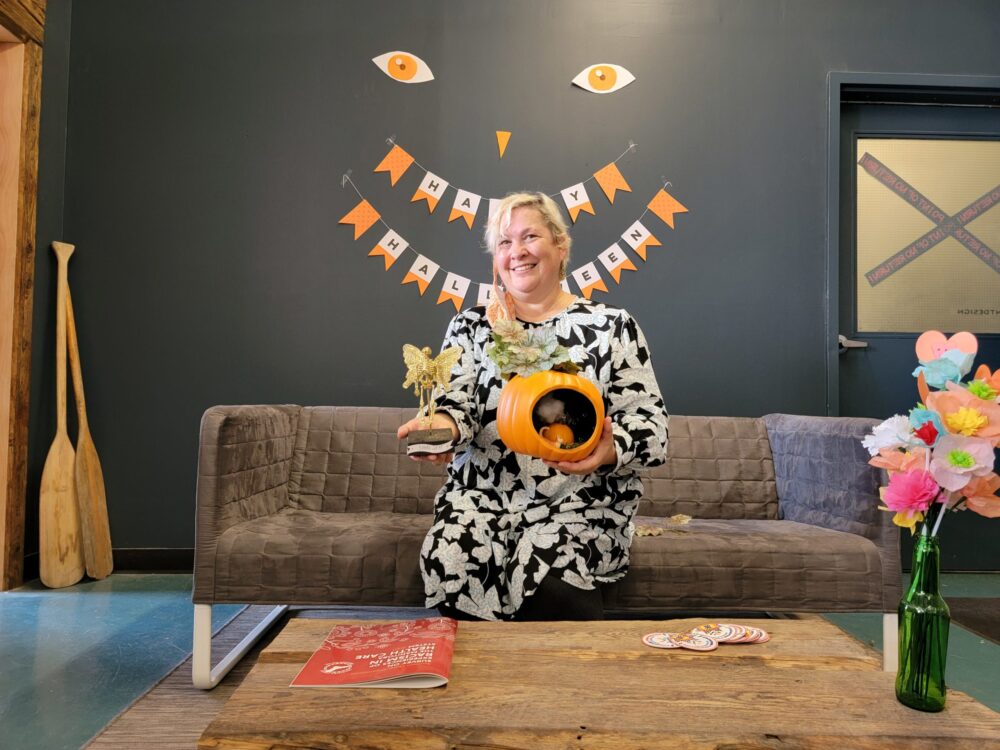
517, 537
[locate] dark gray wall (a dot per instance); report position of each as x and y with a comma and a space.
206, 142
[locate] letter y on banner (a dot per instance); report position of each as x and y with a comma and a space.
577, 200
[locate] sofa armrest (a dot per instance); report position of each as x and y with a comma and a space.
824, 479
244, 463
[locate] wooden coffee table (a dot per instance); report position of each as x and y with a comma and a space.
595, 685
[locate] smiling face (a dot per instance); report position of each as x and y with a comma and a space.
528, 258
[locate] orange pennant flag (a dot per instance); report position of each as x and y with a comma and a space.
362, 216
665, 206
610, 179
396, 162
574, 211
503, 138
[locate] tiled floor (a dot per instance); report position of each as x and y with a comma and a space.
72, 659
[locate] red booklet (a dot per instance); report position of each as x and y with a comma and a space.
408, 654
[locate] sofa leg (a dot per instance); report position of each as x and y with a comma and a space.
203, 675
890, 642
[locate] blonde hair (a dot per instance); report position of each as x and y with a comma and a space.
500, 221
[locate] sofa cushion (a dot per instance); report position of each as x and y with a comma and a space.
303, 557
717, 467
749, 566
348, 460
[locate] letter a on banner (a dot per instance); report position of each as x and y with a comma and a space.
422, 271
454, 290
588, 279
465, 207
430, 190
665, 206
610, 179
639, 238
389, 247
362, 216
615, 260
396, 162
577, 200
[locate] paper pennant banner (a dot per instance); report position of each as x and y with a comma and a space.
588, 279
494, 205
616, 261
565, 286
665, 206
577, 200
431, 189
610, 179
422, 271
639, 238
396, 162
362, 216
454, 290
465, 207
390, 247
503, 138
485, 294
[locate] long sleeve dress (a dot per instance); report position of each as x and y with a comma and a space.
503, 521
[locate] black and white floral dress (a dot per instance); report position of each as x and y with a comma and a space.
504, 521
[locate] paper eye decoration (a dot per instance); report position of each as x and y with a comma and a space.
603, 78
404, 67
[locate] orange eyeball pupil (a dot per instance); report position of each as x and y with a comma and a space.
602, 78
402, 67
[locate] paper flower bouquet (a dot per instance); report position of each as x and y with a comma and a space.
940, 456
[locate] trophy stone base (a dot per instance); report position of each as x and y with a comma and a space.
429, 442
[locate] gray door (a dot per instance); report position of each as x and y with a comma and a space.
898, 218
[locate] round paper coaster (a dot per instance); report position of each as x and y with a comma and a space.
694, 641
659, 640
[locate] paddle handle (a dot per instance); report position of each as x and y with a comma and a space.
74, 363
63, 252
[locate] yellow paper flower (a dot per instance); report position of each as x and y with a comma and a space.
966, 421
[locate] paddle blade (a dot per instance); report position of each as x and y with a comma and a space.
60, 547
93, 508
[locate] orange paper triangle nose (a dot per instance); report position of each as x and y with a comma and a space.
362, 216
396, 162
665, 206
610, 179
503, 136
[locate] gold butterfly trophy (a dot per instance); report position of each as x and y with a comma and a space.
427, 375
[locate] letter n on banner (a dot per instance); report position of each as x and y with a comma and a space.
390, 247
422, 271
588, 279
616, 261
639, 238
454, 290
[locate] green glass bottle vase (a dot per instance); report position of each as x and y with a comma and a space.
924, 621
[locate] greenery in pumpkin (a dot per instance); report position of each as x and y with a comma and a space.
516, 351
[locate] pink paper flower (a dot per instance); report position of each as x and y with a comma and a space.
909, 491
957, 459
981, 495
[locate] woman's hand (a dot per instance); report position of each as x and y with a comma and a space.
440, 421
605, 452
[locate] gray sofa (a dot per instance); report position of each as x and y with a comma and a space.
319, 505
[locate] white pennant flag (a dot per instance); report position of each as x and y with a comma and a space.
639, 238
485, 295
465, 207
577, 200
431, 189
390, 247
454, 290
421, 272
588, 278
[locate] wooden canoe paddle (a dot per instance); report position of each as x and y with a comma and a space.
60, 546
90, 495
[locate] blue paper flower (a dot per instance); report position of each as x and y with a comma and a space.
939, 371
919, 417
